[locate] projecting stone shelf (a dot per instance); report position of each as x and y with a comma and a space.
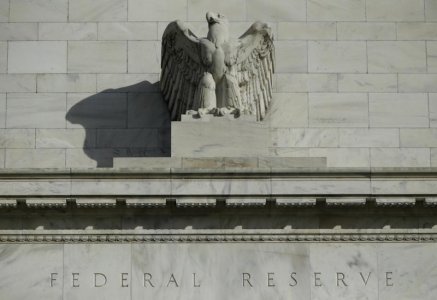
220, 162
228, 202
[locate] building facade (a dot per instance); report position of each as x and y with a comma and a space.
332, 196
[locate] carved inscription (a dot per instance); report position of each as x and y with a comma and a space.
247, 279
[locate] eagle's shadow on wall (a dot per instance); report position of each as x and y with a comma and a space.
131, 121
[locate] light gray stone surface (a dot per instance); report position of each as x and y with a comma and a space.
398, 110
34, 158
128, 31
67, 31
37, 57
138, 63
354, 270
27, 110
4, 11
336, 57
395, 10
17, 138
98, 10
77, 83
338, 10
399, 56
30, 264
104, 57
38, 10
157, 10
3, 57
338, 110
230, 138
2, 110
18, 31
306, 30
376, 83
431, 10
297, 82
17, 83
366, 31
97, 57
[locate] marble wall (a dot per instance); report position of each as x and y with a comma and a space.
355, 80
219, 271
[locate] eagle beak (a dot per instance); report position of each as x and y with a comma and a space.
210, 18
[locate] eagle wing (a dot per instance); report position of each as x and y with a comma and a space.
255, 65
181, 68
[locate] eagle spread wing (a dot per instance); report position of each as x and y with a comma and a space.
255, 57
181, 68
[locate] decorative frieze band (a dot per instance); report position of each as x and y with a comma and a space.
184, 202
425, 235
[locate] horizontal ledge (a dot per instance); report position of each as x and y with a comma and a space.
200, 202
70, 173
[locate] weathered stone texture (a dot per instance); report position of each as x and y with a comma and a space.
362, 71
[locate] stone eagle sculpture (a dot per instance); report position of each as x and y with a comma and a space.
214, 74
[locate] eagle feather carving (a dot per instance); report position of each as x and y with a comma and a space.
214, 74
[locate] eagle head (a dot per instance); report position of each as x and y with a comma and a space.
215, 18
218, 28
